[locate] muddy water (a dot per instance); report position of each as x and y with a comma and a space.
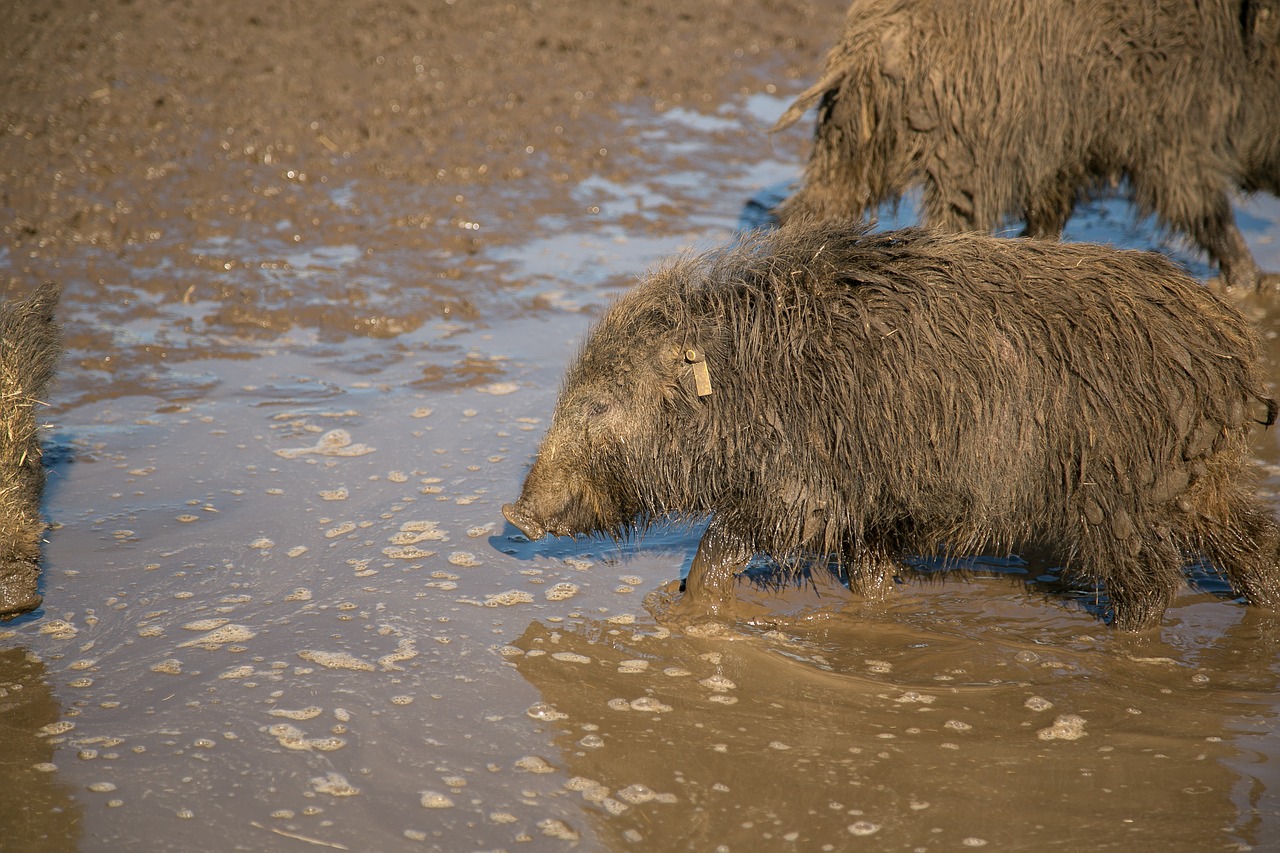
282, 609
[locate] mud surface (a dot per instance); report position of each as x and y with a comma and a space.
323, 267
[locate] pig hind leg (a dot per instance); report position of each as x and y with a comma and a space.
1141, 571
1047, 211
1142, 587
1225, 244
1202, 210
1245, 547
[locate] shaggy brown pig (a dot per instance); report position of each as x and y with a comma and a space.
821, 392
1004, 108
30, 344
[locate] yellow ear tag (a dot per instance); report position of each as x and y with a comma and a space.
701, 375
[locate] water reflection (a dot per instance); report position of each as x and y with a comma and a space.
37, 811
882, 728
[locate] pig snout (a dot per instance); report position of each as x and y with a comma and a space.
528, 525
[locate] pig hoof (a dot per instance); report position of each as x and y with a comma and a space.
677, 611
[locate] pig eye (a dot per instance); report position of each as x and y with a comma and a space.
597, 409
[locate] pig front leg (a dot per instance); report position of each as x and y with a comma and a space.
708, 598
709, 589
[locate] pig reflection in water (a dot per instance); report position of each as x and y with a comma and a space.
780, 725
820, 391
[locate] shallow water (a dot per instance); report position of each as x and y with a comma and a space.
282, 608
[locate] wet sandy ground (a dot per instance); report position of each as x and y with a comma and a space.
317, 309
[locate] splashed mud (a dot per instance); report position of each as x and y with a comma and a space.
322, 273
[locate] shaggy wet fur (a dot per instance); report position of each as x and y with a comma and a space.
29, 350
883, 395
1008, 108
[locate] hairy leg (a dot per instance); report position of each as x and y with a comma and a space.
1048, 212
709, 588
1142, 582
1246, 549
1214, 229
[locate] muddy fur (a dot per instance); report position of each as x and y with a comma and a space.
883, 395
1015, 108
29, 351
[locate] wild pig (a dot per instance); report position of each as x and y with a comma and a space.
30, 345
822, 392
1000, 108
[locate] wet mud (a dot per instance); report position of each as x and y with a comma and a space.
322, 271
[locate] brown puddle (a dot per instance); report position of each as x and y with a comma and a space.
307, 366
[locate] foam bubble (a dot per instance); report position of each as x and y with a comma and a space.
301, 714
508, 598
1038, 703
336, 442
410, 552
534, 764
1065, 727
637, 794
435, 800
561, 591
404, 651
499, 389
336, 660
557, 829
222, 636
205, 624
545, 712
648, 703
334, 784
60, 628
570, 657
291, 737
